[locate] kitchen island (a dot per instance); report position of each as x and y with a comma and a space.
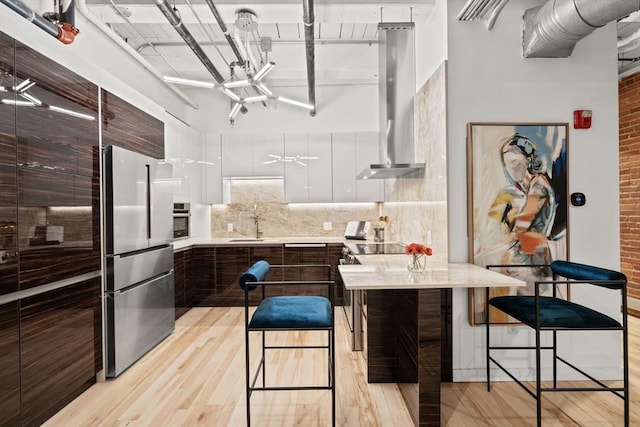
404, 323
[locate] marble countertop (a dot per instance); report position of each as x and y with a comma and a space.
390, 272
248, 241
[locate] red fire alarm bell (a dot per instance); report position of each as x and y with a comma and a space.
582, 119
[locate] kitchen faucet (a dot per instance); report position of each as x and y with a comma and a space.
256, 220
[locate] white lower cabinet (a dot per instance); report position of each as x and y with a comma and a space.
213, 169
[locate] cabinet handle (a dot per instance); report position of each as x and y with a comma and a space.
305, 245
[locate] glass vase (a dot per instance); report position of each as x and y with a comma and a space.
417, 263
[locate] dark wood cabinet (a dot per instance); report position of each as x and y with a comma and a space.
128, 127
309, 254
230, 263
334, 257
178, 283
201, 275
60, 348
208, 276
10, 414
50, 342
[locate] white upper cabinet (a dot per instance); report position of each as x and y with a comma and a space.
352, 152
237, 155
368, 152
184, 150
319, 165
344, 167
213, 169
307, 167
268, 154
252, 155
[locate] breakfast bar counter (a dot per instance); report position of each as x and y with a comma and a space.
403, 326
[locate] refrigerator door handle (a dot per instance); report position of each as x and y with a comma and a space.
148, 210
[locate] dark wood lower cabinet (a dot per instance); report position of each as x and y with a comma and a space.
230, 263
179, 283
9, 365
208, 276
60, 348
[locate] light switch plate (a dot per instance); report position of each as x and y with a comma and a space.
327, 226
230, 227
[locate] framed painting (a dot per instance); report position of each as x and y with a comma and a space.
517, 205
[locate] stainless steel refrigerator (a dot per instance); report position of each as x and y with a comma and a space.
139, 287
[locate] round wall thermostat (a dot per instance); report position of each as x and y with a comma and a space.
578, 199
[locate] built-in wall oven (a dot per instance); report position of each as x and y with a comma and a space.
181, 217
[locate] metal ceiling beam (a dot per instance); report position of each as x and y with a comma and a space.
225, 31
308, 20
175, 20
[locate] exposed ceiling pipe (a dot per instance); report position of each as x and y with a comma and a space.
308, 20
81, 6
63, 31
175, 20
225, 31
553, 29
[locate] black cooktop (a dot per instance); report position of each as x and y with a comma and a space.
378, 248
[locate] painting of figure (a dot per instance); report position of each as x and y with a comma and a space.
517, 185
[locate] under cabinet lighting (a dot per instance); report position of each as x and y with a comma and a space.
294, 102
188, 82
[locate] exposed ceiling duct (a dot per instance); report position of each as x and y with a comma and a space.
63, 31
225, 31
176, 21
553, 29
308, 19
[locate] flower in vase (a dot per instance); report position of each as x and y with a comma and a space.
417, 252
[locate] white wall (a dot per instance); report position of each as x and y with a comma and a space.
431, 42
490, 81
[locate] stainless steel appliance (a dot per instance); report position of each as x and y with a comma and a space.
181, 217
139, 289
396, 79
357, 230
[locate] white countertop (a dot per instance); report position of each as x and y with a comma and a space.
248, 241
390, 272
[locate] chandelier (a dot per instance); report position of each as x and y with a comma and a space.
246, 83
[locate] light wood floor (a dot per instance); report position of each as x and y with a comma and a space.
196, 378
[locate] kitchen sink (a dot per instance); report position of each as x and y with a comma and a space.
246, 239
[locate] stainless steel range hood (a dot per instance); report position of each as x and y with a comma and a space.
397, 88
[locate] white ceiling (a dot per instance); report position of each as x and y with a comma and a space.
345, 36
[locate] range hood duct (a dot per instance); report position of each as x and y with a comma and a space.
396, 89
553, 29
